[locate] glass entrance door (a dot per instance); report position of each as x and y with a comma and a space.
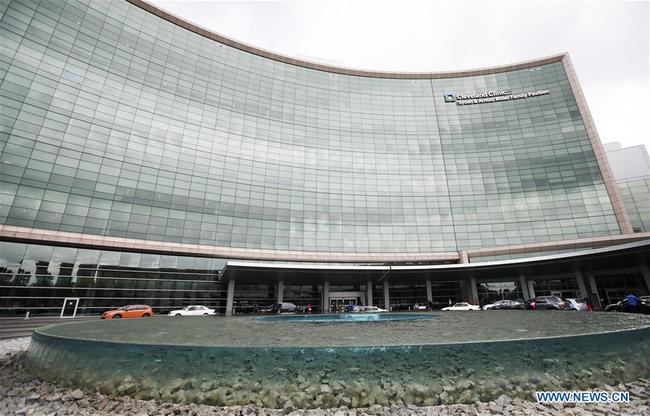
341, 304
613, 295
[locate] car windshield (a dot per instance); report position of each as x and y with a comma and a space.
123, 308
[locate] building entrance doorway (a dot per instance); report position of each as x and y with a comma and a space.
612, 289
613, 295
338, 301
341, 304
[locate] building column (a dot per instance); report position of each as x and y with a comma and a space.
230, 297
472, 292
646, 275
369, 293
326, 296
280, 291
386, 295
429, 292
531, 289
594, 291
524, 287
464, 257
581, 283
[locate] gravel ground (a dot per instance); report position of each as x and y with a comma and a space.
23, 394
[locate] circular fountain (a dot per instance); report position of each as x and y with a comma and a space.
292, 360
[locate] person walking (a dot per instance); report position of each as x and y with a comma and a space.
632, 303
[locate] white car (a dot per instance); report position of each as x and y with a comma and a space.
577, 305
371, 309
462, 306
193, 310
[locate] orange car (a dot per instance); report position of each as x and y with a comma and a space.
129, 311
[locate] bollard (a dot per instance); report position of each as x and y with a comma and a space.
27, 315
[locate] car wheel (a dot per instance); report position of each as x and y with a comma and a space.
205, 314
117, 316
178, 314
146, 315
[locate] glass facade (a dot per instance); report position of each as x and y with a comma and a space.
492, 291
636, 198
116, 122
37, 278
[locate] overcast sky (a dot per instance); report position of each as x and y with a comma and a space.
609, 41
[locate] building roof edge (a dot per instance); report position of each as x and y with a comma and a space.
186, 24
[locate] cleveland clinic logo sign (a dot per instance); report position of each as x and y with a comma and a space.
490, 97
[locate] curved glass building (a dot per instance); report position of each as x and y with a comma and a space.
140, 154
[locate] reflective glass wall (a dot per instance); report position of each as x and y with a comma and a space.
37, 278
116, 122
635, 195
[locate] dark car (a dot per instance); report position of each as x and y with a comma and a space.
266, 309
284, 307
245, 307
308, 309
644, 304
546, 303
621, 306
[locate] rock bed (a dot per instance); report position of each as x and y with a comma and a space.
23, 394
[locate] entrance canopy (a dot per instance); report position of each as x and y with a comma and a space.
594, 260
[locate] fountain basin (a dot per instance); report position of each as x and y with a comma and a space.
456, 358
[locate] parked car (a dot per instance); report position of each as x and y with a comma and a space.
576, 305
546, 303
644, 304
193, 310
129, 311
462, 306
284, 307
504, 305
371, 309
245, 307
309, 308
266, 309
621, 306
